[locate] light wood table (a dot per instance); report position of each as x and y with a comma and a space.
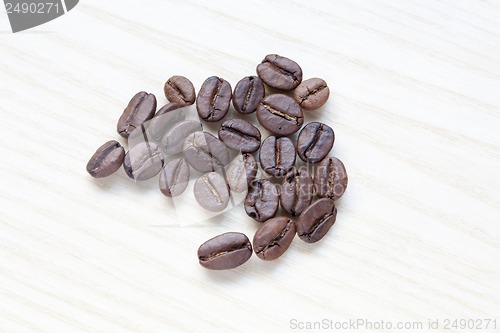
415, 106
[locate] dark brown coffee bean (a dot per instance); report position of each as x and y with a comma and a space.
143, 161
168, 108
211, 192
180, 90
205, 152
213, 99
280, 114
316, 220
106, 160
174, 177
248, 93
173, 141
273, 238
315, 142
279, 72
277, 155
312, 94
330, 179
296, 191
261, 202
225, 251
140, 109
239, 134
241, 172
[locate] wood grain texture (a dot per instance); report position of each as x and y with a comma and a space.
415, 106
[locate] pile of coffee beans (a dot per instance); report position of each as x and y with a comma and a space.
164, 142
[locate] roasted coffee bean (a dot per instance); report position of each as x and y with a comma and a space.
168, 116
180, 90
174, 177
248, 93
241, 172
261, 202
140, 109
205, 152
155, 129
173, 141
315, 142
143, 161
273, 238
312, 94
106, 160
280, 114
213, 99
211, 192
277, 155
168, 108
296, 191
239, 134
330, 179
279, 72
316, 220
225, 251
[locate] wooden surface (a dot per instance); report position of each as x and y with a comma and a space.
415, 106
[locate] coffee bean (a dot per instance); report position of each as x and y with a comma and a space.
167, 108
213, 99
205, 152
155, 129
261, 202
143, 161
106, 160
248, 93
312, 94
280, 72
180, 90
239, 134
273, 238
296, 191
140, 109
225, 251
241, 172
168, 116
330, 179
280, 114
316, 220
211, 192
173, 141
315, 142
277, 155
174, 177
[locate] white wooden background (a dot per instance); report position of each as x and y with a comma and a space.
416, 111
